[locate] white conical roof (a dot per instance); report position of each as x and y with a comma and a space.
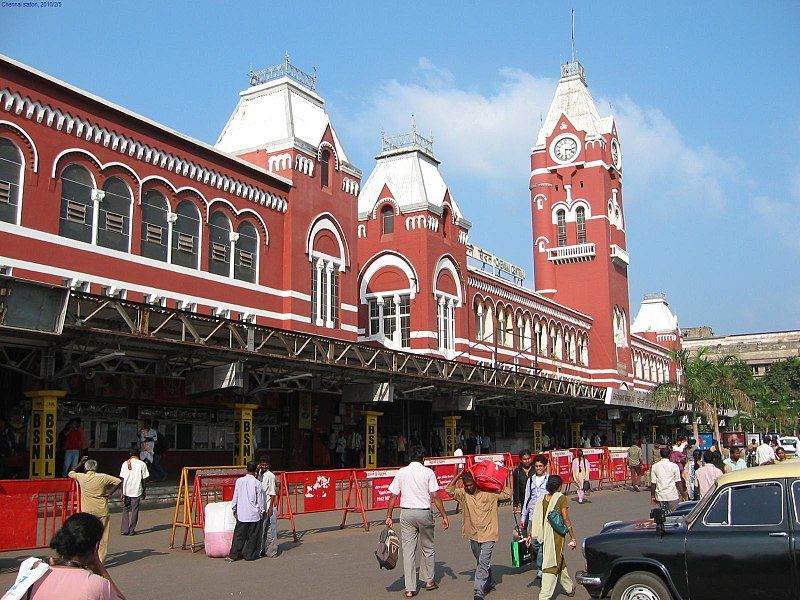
278, 114
412, 174
655, 316
574, 100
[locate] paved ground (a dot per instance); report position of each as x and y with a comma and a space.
327, 560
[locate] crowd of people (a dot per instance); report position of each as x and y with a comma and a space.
536, 496
684, 472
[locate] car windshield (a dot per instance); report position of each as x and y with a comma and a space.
700, 506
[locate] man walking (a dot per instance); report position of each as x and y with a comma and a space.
520, 478
269, 537
765, 454
666, 487
96, 489
419, 489
536, 490
133, 473
480, 526
708, 474
635, 463
248, 508
147, 441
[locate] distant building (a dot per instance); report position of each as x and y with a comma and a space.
759, 350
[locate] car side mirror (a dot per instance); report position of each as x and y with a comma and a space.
659, 515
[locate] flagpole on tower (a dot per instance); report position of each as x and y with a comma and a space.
573, 35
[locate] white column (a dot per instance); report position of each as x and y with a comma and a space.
97, 198
397, 336
233, 237
171, 218
318, 292
329, 294
440, 316
380, 317
451, 324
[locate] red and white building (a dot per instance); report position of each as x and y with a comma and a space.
274, 225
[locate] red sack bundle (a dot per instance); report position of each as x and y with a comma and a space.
489, 476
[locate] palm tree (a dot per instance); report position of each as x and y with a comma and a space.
707, 388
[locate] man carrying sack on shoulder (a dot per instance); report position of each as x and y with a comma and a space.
481, 525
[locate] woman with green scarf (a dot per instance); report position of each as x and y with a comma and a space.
554, 566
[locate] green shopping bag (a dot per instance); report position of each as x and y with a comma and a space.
521, 553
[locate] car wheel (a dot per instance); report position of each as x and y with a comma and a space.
640, 585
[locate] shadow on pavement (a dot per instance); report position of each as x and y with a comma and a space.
440, 569
118, 559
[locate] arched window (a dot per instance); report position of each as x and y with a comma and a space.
445, 221
219, 245
387, 219
114, 216
246, 259
77, 206
561, 218
186, 236
155, 229
324, 173
580, 216
10, 178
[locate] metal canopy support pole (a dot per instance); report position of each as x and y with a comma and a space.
538, 437
371, 437
576, 434
243, 433
44, 410
450, 434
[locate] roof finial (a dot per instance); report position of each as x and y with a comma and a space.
413, 124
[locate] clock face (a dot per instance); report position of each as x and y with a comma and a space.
565, 149
615, 155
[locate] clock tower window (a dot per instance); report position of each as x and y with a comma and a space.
561, 220
580, 217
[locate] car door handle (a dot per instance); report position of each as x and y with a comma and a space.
779, 534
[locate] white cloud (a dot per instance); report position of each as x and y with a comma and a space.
782, 217
489, 135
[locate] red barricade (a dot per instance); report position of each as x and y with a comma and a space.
369, 490
617, 465
32, 510
304, 492
561, 465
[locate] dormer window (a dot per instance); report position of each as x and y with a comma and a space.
325, 173
387, 219
445, 221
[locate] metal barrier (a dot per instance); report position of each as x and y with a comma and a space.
306, 492
32, 510
213, 486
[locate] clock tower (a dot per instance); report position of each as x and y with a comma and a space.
580, 255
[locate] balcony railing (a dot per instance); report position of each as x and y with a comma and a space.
619, 256
567, 254
284, 69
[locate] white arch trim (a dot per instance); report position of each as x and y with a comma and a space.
24, 134
447, 263
326, 221
161, 179
387, 259
239, 213
78, 151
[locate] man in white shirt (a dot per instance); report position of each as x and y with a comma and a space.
587, 441
419, 489
535, 490
133, 473
269, 534
765, 454
666, 487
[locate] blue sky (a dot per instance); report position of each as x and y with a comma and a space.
706, 97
